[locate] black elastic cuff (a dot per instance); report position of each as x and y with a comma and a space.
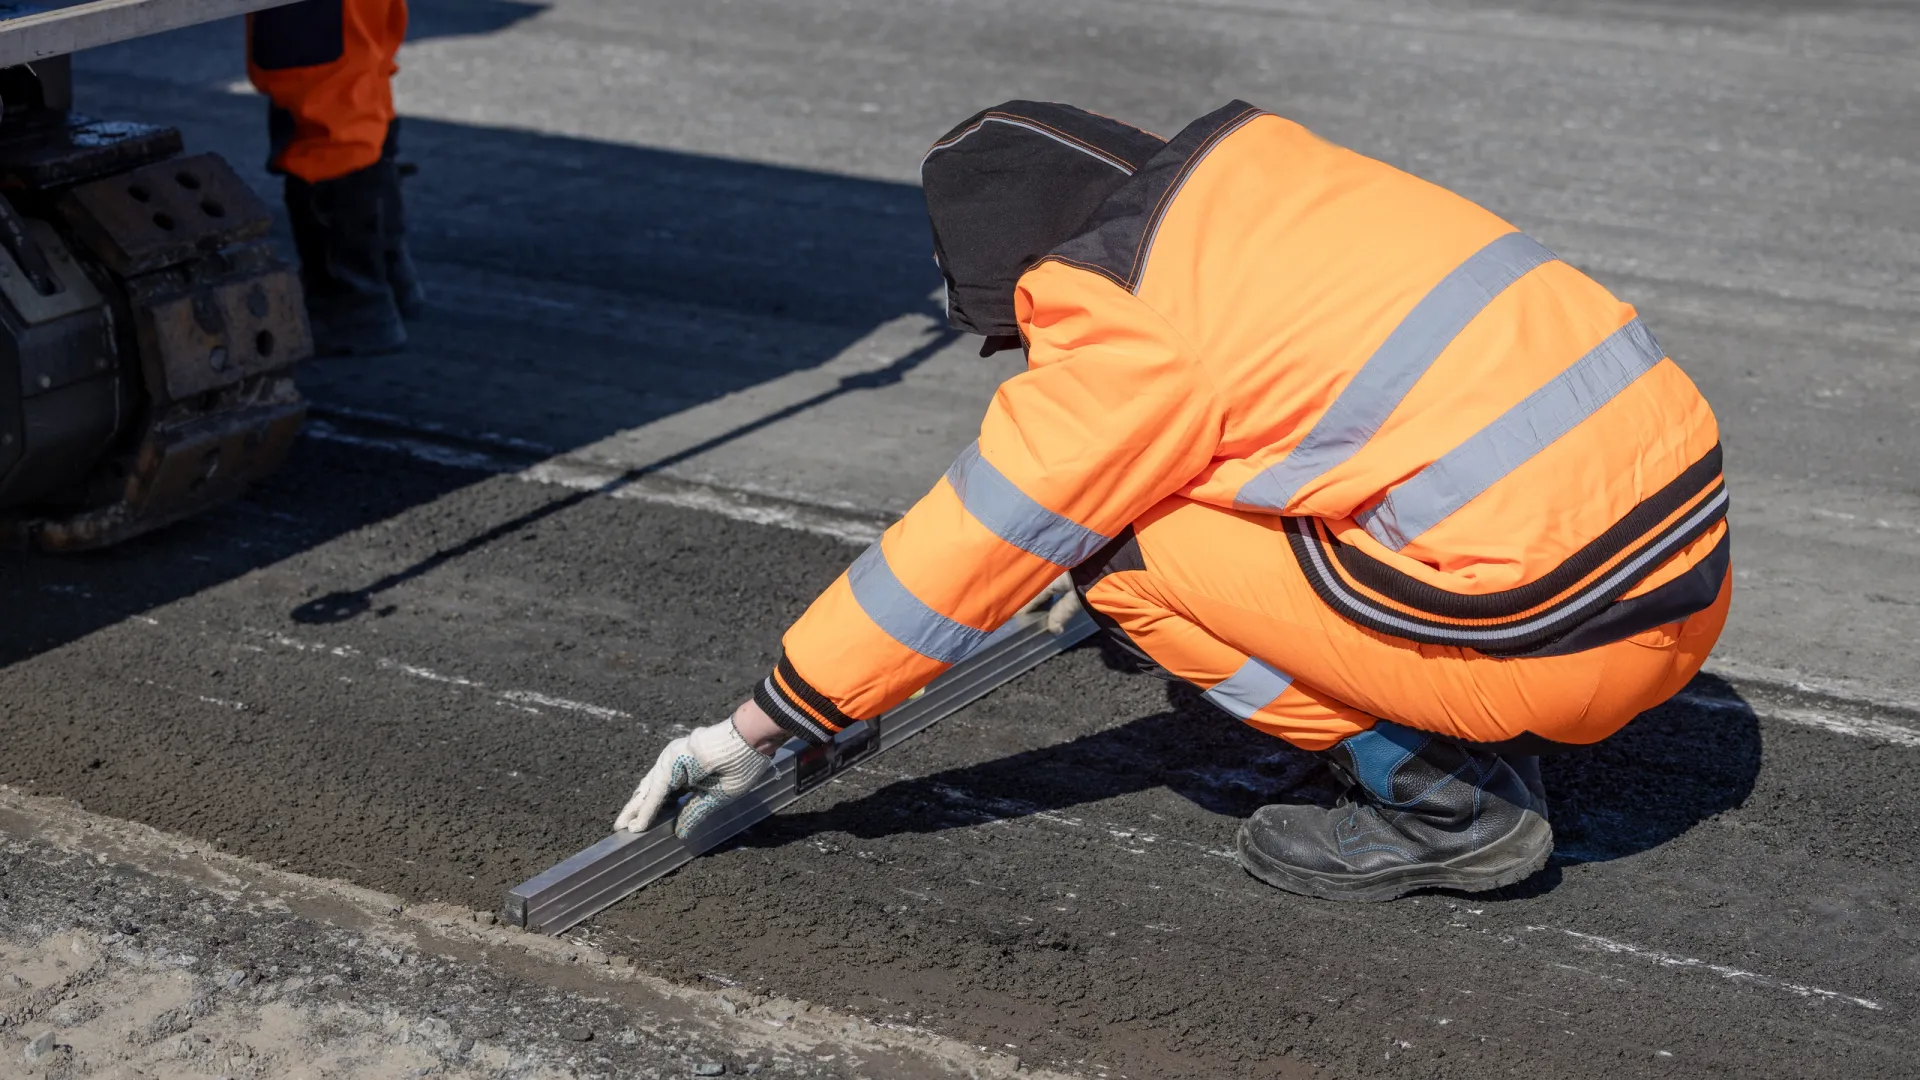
791, 718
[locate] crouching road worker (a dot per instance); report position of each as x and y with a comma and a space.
1377, 472
327, 69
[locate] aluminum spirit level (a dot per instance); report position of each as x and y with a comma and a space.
602, 875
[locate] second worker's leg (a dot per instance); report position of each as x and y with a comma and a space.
327, 67
402, 279
343, 263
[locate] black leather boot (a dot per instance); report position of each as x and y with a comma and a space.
404, 281
1528, 766
1423, 812
338, 230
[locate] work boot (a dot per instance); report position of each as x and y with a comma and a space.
1423, 812
338, 230
1528, 766
408, 296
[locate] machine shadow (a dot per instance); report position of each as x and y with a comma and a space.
676, 252
1671, 768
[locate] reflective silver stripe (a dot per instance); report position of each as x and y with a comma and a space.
1013, 516
1254, 687
1383, 381
807, 723
1620, 575
1429, 496
1037, 130
903, 616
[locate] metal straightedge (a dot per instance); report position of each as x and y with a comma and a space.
615, 868
46, 30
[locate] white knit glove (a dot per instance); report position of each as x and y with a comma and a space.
1060, 600
714, 762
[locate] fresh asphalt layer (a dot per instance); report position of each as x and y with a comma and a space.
680, 245
1046, 872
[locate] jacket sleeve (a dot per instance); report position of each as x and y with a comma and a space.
1112, 415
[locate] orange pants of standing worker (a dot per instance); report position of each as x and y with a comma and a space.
327, 66
1202, 591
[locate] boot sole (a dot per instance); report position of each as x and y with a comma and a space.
1513, 858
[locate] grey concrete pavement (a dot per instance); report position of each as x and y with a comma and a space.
685, 241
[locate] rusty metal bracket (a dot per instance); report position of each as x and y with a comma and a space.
166, 213
609, 871
205, 330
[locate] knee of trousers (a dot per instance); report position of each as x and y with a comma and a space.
1119, 555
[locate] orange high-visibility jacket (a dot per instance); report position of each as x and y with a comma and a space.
1471, 443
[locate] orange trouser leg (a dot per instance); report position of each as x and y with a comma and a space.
1216, 598
1261, 695
327, 66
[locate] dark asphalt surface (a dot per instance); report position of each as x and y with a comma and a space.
1045, 871
634, 214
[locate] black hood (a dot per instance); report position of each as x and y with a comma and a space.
1008, 186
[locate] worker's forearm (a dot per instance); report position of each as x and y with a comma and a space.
757, 728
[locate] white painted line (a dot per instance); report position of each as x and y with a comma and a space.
1874, 523
528, 697
1666, 959
847, 526
225, 703
1852, 692
421, 449
752, 507
1859, 728
297, 645
524, 700
423, 673
405, 424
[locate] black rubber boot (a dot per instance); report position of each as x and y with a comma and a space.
1423, 812
338, 231
408, 296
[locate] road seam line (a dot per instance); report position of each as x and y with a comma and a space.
1872, 730
851, 527
514, 457
1667, 959
518, 698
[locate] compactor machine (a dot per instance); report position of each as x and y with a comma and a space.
148, 331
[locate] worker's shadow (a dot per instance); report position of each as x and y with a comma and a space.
1668, 770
